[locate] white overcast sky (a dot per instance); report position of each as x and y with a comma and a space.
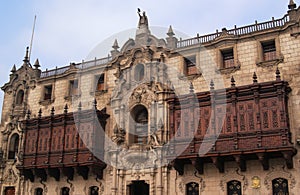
67, 30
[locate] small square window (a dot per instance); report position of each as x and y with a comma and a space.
74, 87
190, 65
269, 50
100, 83
227, 58
48, 92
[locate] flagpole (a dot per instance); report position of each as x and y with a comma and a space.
32, 38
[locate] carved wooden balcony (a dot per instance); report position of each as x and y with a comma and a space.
235, 124
61, 144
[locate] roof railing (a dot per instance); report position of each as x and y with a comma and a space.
235, 31
80, 66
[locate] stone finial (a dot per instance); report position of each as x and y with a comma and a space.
277, 74
162, 57
115, 45
160, 124
172, 87
170, 32
52, 111
26, 58
292, 5
95, 104
171, 40
212, 85
191, 87
28, 114
40, 113
37, 64
66, 109
254, 78
115, 50
79, 106
13, 70
232, 82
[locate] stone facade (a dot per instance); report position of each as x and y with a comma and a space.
139, 85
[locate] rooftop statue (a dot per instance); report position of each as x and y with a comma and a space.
143, 22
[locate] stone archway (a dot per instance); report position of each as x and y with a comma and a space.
9, 191
138, 188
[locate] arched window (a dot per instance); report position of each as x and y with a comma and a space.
139, 115
38, 191
192, 188
65, 191
234, 187
93, 190
139, 72
13, 146
280, 186
20, 97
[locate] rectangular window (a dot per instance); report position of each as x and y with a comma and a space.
74, 87
48, 92
100, 82
190, 65
227, 58
269, 50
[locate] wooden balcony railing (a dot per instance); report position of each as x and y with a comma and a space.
62, 143
245, 122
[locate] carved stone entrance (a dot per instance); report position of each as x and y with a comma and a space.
138, 188
9, 191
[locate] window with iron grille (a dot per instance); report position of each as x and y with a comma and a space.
280, 186
234, 188
192, 188
38, 191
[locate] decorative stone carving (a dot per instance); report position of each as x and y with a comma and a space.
233, 175
10, 176
119, 136
255, 182
279, 172
191, 178
143, 94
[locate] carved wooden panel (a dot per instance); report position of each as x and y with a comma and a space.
246, 116
255, 117
54, 140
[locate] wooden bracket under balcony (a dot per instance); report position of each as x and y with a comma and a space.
68, 172
41, 173
219, 163
83, 171
264, 160
240, 160
198, 164
178, 166
288, 156
55, 173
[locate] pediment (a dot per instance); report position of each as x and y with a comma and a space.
24, 75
